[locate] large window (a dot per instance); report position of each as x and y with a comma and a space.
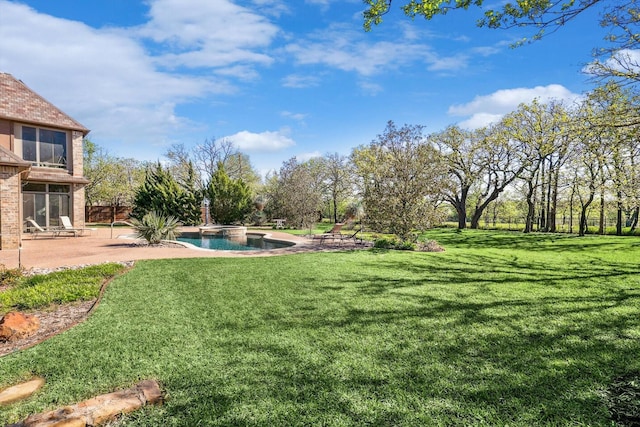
44, 147
45, 203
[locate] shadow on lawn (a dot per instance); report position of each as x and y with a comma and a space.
479, 239
542, 353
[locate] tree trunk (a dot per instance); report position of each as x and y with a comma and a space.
462, 216
531, 208
542, 224
573, 190
461, 207
634, 218
601, 226
477, 214
583, 213
553, 206
582, 229
619, 214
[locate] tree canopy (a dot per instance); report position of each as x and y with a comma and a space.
402, 177
617, 60
161, 193
230, 199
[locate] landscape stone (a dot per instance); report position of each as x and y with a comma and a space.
100, 409
15, 325
20, 391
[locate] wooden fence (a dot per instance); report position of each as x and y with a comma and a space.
106, 214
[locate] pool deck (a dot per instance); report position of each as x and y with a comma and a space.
101, 245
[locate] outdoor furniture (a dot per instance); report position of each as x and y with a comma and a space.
354, 237
68, 227
36, 229
331, 234
279, 222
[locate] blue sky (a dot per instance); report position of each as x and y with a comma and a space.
278, 78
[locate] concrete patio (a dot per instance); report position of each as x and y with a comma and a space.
107, 245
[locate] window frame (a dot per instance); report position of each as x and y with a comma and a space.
41, 146
42, 201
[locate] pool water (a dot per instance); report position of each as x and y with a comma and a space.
253, 243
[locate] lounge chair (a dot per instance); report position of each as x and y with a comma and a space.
354, 237
36, 229
67, 226
331, 234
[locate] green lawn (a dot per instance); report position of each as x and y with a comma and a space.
499, 329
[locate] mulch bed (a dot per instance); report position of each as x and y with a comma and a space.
53, 320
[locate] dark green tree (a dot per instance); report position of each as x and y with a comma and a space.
161, 193
230, 200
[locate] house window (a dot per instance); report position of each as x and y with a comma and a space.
45, 203
44, 147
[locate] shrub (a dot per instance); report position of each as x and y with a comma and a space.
429, 246
9, 276
57, 288
394, 243
154, 227
404, 245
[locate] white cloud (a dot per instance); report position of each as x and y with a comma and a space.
295, 116
208, 33
303, 157
370, 88
360, 57
624, 61
264, 141
451, 63
346, 47
341, 47
110, 80
298, 81
103, 78
486, 109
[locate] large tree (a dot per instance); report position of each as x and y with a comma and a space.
112, 180
402, 177
338, 180
618, 59
207, 157
602, 112
540, 14
466, 160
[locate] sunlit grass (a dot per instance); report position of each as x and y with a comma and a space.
499, 329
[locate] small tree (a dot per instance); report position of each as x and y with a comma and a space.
113, 180
161, 193
403, 177
295, 193
230, 199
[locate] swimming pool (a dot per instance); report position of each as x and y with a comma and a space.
249, 242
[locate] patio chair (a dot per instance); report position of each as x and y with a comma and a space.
331, 234
36, 229
67, 226
354, 237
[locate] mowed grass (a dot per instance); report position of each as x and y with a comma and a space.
501, 329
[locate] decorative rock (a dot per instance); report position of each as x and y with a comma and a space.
16, 325
100, 409
20, 391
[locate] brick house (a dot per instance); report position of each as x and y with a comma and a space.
40, 162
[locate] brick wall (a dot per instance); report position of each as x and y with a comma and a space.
10, 208
77, 170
